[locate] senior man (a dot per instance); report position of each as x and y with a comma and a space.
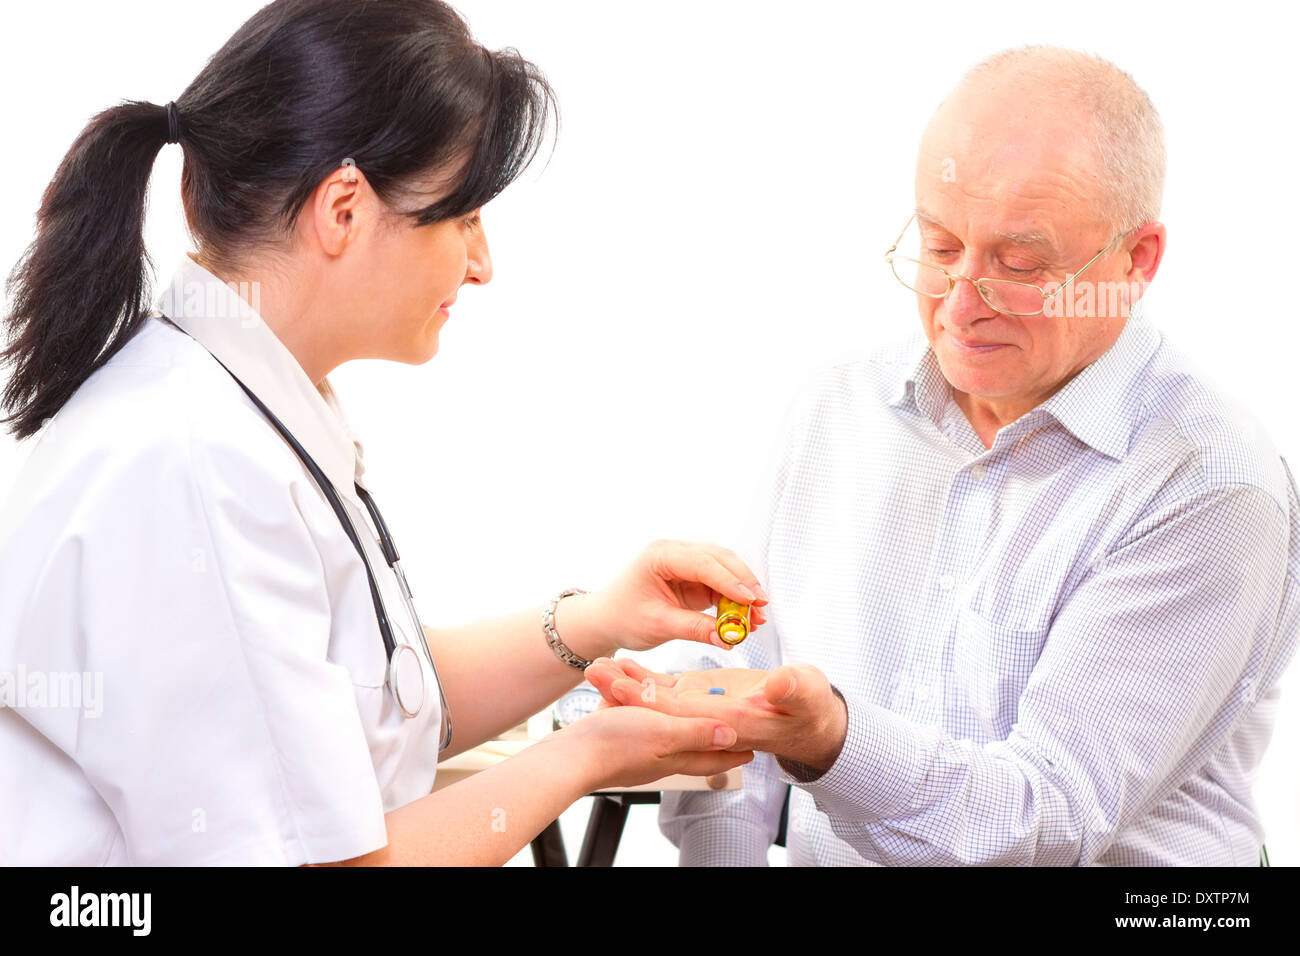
1033, 581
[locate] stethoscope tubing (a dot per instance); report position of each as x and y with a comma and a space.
392, 649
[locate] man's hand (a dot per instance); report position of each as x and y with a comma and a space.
790, 712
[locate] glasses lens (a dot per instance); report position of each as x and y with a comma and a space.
1014, 298
920, 277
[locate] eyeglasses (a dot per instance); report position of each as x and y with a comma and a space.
1002, 295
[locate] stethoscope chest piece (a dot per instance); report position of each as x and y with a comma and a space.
406, 679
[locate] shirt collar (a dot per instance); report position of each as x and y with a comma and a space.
1099, 406
923, 386
222, 321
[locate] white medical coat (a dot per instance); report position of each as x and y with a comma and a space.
164, 545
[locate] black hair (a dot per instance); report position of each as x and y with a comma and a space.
400, 87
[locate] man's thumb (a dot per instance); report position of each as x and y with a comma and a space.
782, 686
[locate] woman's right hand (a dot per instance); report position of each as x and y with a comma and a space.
628, 746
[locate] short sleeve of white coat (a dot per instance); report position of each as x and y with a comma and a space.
186, 575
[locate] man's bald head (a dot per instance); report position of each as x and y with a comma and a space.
1083, 110
1042, 162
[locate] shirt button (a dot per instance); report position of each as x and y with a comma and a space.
978, 472
947, 582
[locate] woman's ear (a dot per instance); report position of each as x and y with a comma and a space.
336, 208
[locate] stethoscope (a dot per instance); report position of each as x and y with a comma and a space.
405, 675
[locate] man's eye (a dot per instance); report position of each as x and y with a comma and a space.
1021, 272
938, 253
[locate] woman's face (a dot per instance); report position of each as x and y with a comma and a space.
367, 282
414, 276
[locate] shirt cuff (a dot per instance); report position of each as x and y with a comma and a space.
878, 770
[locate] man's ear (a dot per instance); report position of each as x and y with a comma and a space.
334, 207
1146, 250
1146, 254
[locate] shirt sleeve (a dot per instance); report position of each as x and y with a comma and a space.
730, 827
736, 828
1149, 665
195, 588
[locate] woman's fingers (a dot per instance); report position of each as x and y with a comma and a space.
696, 734
694, 626
660, 596
685, 561
642, 745
708, 764
732, 562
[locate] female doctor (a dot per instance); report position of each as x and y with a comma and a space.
209, 653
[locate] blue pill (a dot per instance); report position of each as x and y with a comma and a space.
717, 690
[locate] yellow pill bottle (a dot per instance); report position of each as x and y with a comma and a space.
733, 621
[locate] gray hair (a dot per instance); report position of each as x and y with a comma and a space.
1127, 134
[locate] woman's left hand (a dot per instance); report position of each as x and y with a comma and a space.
659, 596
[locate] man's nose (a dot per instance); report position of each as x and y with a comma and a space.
478, 265
964, 306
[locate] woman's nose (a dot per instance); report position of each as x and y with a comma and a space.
478, 266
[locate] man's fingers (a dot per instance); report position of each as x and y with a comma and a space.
638, 673
603, 667
641, 694
603, 671
601, 674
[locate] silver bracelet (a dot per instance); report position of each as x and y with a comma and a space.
553, 637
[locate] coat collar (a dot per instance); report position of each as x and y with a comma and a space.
219, 317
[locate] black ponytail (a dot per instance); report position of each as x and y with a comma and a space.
80, 290
398, 86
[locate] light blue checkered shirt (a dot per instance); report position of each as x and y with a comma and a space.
1059, 650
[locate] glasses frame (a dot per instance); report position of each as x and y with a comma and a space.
954, 276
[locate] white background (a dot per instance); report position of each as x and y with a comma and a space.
709, 229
